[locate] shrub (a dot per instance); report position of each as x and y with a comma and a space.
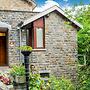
61, 84
35, 82
84, 78
58, 84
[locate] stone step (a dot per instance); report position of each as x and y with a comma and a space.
6, 87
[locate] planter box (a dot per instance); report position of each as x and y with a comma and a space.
19, 79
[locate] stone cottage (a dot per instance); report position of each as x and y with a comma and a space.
52, 35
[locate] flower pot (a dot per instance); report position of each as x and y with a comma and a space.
19, 79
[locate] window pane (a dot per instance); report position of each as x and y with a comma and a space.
39, 34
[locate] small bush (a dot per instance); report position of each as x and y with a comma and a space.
58, 84
61, 84
83, 78
35, 82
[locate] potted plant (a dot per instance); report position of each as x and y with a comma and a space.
18, 74
25, 50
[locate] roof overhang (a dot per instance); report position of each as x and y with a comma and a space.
4, 25
54, 8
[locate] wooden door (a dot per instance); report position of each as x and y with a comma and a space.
3, 60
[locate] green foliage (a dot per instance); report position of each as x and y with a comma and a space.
17, 70
61, 84
81, 60
35, 82
25, 48
53, 83
83, 17
83, 78
84, 48
84, 34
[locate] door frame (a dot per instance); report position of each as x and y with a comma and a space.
5, 30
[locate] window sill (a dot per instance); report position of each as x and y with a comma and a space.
39, 49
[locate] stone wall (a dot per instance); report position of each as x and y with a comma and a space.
14, 18
16, 5
60, 43
60, 52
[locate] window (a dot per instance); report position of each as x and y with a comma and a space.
39, 37
39, 41
37, 34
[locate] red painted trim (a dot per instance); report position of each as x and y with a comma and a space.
30, 37
38, 24
35, 44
